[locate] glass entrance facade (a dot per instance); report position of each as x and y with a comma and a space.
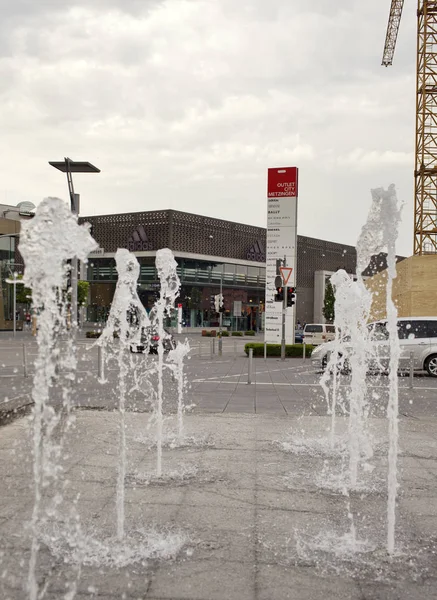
242, 287
7, 268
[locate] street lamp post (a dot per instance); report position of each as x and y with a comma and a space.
69, 167
220, 345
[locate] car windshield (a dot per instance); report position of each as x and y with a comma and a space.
313, 328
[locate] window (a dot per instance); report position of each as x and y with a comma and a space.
147, 269
240, 274
216, 273
203, 270
410, 330
105, 269
262, 277
229, 273
7, 248
313, 328
252, 275
330, 329
92, 272
432, 328
189, 270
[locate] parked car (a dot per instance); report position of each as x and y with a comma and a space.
318, 333
298, 336
150, 337
417, 336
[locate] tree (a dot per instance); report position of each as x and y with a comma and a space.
24, 294
82, 292
195, 298
329, 303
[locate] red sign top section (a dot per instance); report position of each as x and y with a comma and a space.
282, 182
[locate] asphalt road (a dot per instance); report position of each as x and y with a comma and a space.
215, 383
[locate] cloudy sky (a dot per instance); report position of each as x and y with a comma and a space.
184, 104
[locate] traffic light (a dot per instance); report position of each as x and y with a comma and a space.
291, 296
279, 296
219, 303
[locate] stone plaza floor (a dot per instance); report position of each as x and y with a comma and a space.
254, 505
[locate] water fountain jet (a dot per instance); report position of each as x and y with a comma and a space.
170, 284
127, 320
47, 242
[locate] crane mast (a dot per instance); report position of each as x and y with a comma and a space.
425, 171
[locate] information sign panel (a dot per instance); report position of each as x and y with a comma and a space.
282, 194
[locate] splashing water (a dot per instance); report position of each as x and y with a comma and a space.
352, 308
386, 210
127, 320
300, 444
141, 546
170, 284
53, 227
176, 359
354, 342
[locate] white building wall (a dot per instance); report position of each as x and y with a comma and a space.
321, 278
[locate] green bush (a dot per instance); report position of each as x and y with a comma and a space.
291, 350
250, 332
93, 334
97, 334
225, 334
237, 333
207, 334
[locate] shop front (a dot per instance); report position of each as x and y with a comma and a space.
242, 286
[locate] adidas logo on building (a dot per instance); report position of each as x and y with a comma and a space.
256, 252
139, 240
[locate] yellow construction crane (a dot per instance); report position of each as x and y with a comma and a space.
425, 172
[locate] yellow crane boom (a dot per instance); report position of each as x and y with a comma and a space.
394, 20
425, 172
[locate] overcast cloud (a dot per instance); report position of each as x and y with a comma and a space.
184, 104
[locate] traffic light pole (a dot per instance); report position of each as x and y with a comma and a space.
220, 344
284, 312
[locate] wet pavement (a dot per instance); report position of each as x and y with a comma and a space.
250, 507
253, 504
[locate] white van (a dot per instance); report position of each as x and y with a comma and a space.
318, 333
417, 340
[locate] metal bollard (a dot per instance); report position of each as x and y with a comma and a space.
24, 360
265, 350
211, 349
200, 348
101, 368
213, 345
235, 348
411, 370
220, 346
304, 352
249, 371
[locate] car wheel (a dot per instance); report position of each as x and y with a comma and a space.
431, 365
324, 362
